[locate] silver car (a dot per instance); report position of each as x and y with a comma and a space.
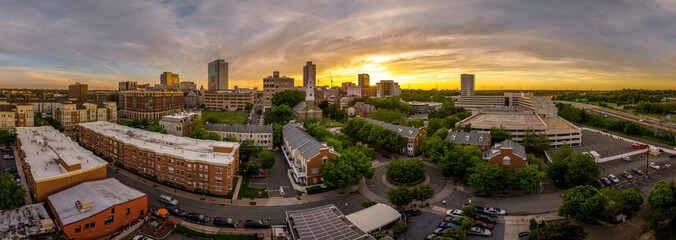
613, 178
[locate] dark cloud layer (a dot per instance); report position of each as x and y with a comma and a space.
528, 43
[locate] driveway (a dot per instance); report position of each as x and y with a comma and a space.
277, 177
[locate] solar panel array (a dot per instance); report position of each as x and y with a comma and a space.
322, 223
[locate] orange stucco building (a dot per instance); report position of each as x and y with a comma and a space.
97, 209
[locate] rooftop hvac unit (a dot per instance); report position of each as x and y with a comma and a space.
84, 204
46, 224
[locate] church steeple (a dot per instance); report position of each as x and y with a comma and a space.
310, 90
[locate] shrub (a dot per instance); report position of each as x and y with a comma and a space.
367, 204
406, 171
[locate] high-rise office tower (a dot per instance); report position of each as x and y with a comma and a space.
77, 91
168, 78
309, 73
218, 75
467, 85
364, 80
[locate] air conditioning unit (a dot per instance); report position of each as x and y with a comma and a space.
84, 204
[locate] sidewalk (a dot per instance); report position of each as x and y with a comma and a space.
22, 177
234, 201
516, 224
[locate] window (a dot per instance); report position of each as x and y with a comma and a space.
506, 161
108, 220
218, 188
201, 177
77, 229
112, 210
127, 212
206, 168
219, 180
86, 226
171, 170
314, 171
92, 224
219, 170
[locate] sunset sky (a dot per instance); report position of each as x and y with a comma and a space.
526, 44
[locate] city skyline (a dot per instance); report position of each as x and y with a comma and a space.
505, 44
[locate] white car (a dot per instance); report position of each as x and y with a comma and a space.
168, 200
655, 166
494, 211
454, 213
141, 237
479, 231
628, 159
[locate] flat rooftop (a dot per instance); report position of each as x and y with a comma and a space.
325, 222
519, 120
44, 146
178, 116
104, 194
558, 124
23, 222
180, 147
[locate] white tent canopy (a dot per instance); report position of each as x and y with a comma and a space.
374, 217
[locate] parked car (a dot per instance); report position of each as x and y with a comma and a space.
482, 194
637, 171
438, 231
524, 235
483, 224
600, 184
387, 155
628, 159
7, 156
455, 220
198, 218
141, 237
447, 225
627, 175
259, 174
606, 181
654, 165
431, 236
173, 210
168, 200
454, 213
487, 218
613, 178
254, 223
479, 209
638, 146
479, 232
412, 212
224, 221
495, 211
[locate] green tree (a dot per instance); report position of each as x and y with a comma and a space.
406, 171
563, 152
499, 135
320, 132
251, 167
7, 137
582, 203
367, 204
334, 112
213, 136
529, 178
416, 122
467, 222
247, 149
277, 138
259, 111
210, 119
565, 230
423, 193
486, 177
267, 159
576, 169
388, 116
347, 169
145, 122
12, 194
662, 197
248, 106
469, 211
534, 142
135, 122
289, 97
632, 200
399, 196
399, 227
230, 138
441, 133
155, 127
278, 114
455, 233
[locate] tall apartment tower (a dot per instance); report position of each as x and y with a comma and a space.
309, 73
78, 91
364, 80
218, 75
168, 78
467, 85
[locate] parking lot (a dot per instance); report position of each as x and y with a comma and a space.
616, 168
8, 164
603, 145
421, 226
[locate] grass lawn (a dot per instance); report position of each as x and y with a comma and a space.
233, 118
330, 123
248, 192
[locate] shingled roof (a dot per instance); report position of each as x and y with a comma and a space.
218, 127
517, 149
307, 146
470, 138
404, 131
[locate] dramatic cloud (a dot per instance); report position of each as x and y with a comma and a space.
592, 44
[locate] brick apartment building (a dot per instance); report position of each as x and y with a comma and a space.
149, 104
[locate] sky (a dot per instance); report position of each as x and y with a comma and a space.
507, 44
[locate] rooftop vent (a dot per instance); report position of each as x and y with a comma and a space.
84, 204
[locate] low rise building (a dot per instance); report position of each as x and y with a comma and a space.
27, 222
324, 222
97, 209
191, 163
53, 162
16, 115
228, 100
362, 109
152, 105
480, 140
507, 154
413, 136
305, 155
261, 135
194, 98
179, 124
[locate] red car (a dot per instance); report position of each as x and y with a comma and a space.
482, 224
638, 146
260, 174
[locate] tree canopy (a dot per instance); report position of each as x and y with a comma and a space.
399, 196
406, 171
565, 230
266, 158
573, 170
281, 114
373, 134
534, 142
347, 169
7, 137
499, 135
288, 97
12, 194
